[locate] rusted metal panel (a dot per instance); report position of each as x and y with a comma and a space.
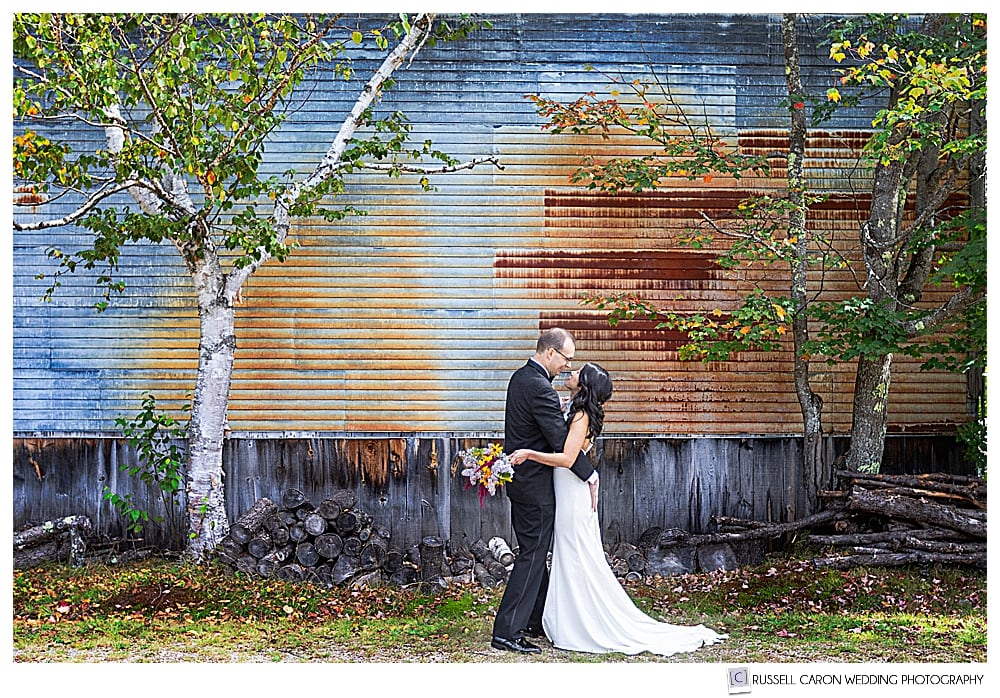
409, 320
761, 398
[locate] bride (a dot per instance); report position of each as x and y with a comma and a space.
586, 608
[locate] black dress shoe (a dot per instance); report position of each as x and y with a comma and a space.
518, 644
534, 632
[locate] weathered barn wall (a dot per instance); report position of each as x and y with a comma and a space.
414, 487
400, 328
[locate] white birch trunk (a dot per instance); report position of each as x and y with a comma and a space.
206, 432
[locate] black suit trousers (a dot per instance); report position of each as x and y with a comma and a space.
524, 598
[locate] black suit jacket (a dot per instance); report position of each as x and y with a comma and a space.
534, 419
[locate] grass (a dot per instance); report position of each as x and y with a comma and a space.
785, 611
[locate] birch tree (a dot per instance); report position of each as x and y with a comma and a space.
186, 104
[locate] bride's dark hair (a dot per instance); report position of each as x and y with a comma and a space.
595, 389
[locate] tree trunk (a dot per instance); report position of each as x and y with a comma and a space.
431, 558
346, 523
393, 561
43, 533
373, 554
292, 499
501, 551
345, 568
329, 545
315, 524
297, 532
922, 512
290, 573
871, 385
260, 545
352, 546
216, 348
483, 576
882, 559
306, 554
816, 474
229, 550
870, 414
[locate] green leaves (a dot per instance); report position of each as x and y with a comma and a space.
926, 74
199, 95
759, 324
194, 99
155, 435
681, 148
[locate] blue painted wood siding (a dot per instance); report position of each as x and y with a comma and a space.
410, 319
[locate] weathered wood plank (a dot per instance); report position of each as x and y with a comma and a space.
646, 482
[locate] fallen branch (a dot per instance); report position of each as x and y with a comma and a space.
909, 509
884, 559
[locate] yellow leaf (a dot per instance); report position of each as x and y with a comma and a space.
833, 94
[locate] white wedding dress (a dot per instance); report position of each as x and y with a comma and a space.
586, 608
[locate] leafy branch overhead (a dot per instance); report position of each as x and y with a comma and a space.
934, 83
188, 104
681, 147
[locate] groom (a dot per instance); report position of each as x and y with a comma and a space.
533, 419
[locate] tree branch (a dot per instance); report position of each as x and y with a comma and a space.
110, 189
421, 169
329, 165
964, 299
780, 254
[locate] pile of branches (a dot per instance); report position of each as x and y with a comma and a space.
892, 520
873, 520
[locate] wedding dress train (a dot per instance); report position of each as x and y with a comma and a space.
586, 608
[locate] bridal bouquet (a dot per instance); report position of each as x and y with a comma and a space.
487, 467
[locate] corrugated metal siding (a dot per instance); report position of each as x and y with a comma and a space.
411, 318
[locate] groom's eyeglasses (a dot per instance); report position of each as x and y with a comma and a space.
568, 358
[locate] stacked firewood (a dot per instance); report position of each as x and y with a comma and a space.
904, 519
330, 543
334, 543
